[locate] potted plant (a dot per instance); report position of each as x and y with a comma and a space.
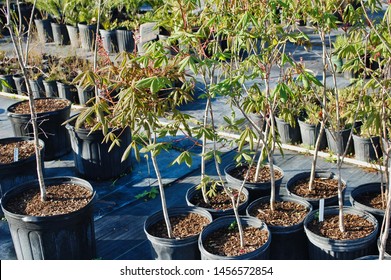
288, 114
346, 110
35, 60
107, 29
310, 123
62, 232
125, 34
43, 22
367, 140
51, 76
71, 17
8, 68
87, 16
69, 68
95, 156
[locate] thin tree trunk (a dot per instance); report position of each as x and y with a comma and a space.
95, 62
386, 225
33, 113
162, 195
203, 152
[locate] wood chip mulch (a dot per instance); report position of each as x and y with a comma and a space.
239, 172
355, 227
25, 150
226, 241
182, 226
61, 199
42, 106
322, 188
220, 201
374, 200
286, 213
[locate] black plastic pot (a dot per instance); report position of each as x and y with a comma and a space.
339, 147
20, 84
51, 130
68, 91
73, 32
314, 201
18, 172
367, 149
125, 40
51, 89
59, 237
60, 34
288, 134
288, 242
309, 135
109, 40
323, 248
174, 249
217, 213
369, 188
373, 258
262, 253
37, 88
258, 120
92, 157
87, 36
44, 30
255, 190
85, 94
10, 81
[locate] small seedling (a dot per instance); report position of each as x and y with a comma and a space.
147, 195
233, 226
331, 158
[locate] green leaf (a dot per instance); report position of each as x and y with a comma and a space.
126, 154
286, 59
145, 83
155, 86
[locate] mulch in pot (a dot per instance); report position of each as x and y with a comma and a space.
25, 150
42, 106
286, 213
61, 199
226, 241
371, 199
220, 201
182, 226
355, 227
321, 188
239, 172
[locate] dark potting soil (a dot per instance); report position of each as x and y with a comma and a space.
322, 188
226, 241
239, 172
388, 245
374, 200
42, 106
355, 227
220, 201
182, 226
25, 150
286, 213
61, 199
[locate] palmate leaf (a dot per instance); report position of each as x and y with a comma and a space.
184, 157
